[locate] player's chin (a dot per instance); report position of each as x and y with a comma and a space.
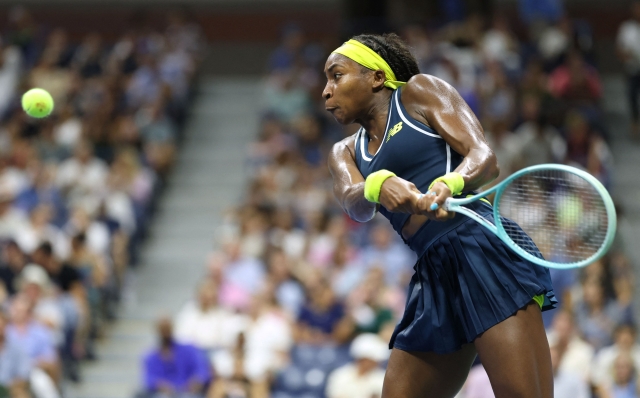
341, 117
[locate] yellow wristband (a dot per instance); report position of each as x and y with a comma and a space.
373, 183
453, 180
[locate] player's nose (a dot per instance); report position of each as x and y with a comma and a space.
327, 92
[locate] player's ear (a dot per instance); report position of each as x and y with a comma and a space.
378, 80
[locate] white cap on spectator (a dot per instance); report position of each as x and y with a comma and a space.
33, 273
369, 346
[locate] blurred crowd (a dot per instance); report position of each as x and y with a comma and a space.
300, 301
77, 188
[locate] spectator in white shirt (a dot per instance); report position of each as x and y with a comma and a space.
261, 350
83, 174
204, 324
577, 354
566, 383
40, 229
11, 219
362, 378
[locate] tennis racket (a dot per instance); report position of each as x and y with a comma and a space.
567, 213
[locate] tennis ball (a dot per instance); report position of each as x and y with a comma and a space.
37, 103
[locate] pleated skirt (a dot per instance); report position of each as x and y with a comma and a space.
466, 281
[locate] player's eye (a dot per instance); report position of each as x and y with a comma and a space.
337, 75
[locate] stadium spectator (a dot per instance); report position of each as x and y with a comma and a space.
259, 351
239, 374
205, 324
35, 285
288, 292
537, 141
77, 189
70, 297
586, 148
577, 355
13, 262
362, 378
565, 382
597, 315
241, 276
15, 366
11, 219
322, 314
390, 255
345, 270
625, 379
173, 369
604, 364
370, 305
38, 342
575, 81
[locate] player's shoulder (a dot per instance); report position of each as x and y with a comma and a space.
424, 86
346, 145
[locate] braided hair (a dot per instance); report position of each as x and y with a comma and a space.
393, 50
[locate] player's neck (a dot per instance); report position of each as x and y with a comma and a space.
375, 119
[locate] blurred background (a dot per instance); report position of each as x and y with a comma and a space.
170, 230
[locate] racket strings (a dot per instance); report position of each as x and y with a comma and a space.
564, 217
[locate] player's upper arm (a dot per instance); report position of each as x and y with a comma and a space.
343, 168
442, 108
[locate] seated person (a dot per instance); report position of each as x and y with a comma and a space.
174, 370
321, 316
363, 377
15, 366
38, 341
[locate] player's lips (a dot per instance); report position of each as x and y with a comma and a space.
331, 108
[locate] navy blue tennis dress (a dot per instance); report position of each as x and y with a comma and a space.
466, 280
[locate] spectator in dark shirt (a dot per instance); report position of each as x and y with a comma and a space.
13, 261
62, 275
174, 370
319, 318
71, 299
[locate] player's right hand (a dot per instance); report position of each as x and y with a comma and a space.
431, 204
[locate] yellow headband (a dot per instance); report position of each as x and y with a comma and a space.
368, 58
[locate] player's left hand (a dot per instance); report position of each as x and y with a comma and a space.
431, 204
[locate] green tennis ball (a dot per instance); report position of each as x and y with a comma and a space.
37, 103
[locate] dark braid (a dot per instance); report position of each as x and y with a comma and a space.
393, 50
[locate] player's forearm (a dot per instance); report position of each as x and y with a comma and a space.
355, 205
478, 168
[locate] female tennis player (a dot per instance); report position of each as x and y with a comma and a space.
470, 295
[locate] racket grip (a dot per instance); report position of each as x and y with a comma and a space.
447, 204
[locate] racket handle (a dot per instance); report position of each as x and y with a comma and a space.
447, 204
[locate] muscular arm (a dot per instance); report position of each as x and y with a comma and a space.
438, 105
348, 182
